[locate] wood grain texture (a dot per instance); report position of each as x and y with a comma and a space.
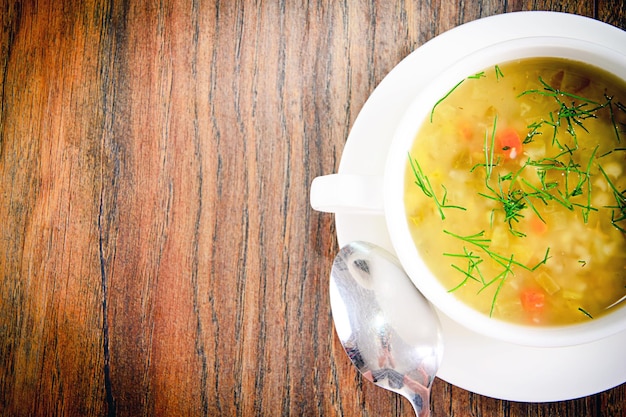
158, 255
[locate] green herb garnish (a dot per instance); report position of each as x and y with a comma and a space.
473, 267
477, 75
534, 131
443, 98
499, 73
618, 213
611, 151
571, 115
473, 262
488, 148
582, 310
422, 181
513, 201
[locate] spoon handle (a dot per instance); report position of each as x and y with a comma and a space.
421, 404
419, 397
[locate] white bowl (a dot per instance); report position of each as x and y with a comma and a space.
395, 214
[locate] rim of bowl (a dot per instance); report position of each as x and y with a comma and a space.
594, 54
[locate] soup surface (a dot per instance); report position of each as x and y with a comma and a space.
516, 194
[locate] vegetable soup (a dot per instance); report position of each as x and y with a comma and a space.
515, 192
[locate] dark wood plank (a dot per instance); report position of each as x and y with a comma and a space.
51, 315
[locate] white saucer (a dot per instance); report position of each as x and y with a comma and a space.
473, 362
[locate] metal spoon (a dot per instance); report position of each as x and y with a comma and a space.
386, 326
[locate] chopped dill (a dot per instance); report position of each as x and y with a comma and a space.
489, 164
582, 310
556, 93
488, 149
473, 262
499, 73
612, 116
533, 131
477, 75
480, 241
513, 201
423, 182
515, 193
618, 213
571, 116
500, 278
611, 151
587, 179
432, 112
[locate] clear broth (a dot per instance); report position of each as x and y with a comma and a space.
528, 158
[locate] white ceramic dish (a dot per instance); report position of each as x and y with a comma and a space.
473, 362
394, 191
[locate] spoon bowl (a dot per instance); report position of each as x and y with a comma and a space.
386, 326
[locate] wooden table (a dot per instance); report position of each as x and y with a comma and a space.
158, 255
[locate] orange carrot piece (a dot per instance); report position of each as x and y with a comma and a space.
466, 130
537, 225
509, 143
533, 299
